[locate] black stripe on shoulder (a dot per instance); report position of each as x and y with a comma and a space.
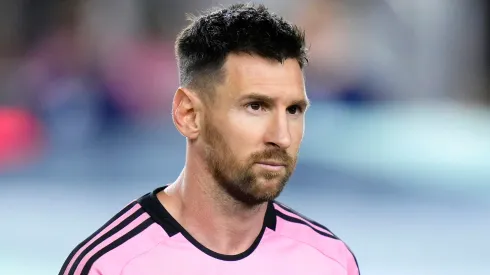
284, 207
282, 215
84, 242
134, 232
104, 237
296, 220
355, 259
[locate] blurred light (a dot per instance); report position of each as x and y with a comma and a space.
20, 136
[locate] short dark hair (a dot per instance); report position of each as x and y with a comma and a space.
202, 47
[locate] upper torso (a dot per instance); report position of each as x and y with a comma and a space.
144, 239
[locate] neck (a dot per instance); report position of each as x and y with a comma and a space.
211, 216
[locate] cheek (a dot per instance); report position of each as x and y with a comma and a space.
244, 135
296, 129
246, 126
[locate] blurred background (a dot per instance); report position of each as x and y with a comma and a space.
395, 160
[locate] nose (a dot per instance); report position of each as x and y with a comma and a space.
278, 133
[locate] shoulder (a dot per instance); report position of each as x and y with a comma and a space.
295, 226
129, 233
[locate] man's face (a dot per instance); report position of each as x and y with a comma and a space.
254, 127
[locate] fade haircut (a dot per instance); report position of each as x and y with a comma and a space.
203, 46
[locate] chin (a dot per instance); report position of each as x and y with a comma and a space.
269, 188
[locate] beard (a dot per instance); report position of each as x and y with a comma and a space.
238, 178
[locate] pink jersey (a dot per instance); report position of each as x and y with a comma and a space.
144, 239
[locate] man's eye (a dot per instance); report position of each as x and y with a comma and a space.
255, 106
294, 109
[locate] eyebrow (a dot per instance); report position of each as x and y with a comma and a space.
303, 103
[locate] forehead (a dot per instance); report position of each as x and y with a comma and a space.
246, 73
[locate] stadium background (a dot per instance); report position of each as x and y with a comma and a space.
396, 157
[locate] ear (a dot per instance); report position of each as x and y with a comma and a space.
186, 107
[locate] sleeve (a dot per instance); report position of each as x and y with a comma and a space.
89, 270
78, 264
352, 265
78, 271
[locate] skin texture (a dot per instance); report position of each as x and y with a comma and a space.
241, 150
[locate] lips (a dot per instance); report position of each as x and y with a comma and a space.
272, 163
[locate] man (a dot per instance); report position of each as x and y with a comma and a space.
241, 107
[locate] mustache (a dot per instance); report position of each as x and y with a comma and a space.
279, 155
